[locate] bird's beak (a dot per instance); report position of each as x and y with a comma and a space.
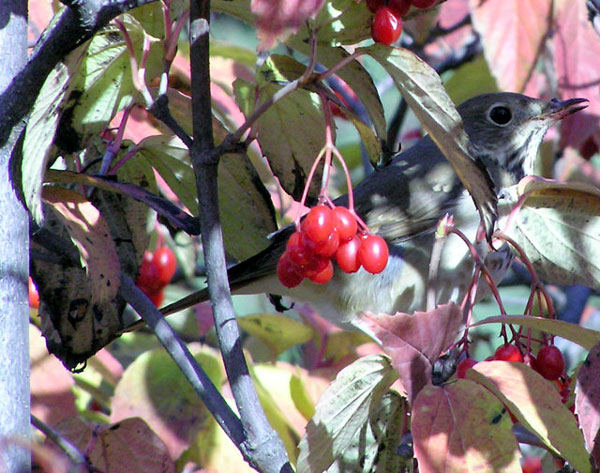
559, 109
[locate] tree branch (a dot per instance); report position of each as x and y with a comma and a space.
264, 446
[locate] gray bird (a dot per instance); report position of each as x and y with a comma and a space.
403, 202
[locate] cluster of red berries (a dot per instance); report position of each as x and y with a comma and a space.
549, 363
156, 272
327, 233
386, 26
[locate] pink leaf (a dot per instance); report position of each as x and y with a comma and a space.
587, 401
277, 19
414, 342
512, 32
577, 49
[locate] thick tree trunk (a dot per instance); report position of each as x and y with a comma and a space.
14, 258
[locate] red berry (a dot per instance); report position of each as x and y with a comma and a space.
399, 7
345, 222
347, 255
550, 362
373, 253
386, 26
297, 250
463, 366
508, 353
289, 274
532, 465
423, 3
374, 5
165, 260
34, 296
157, 297
323, 276
318, 224
326, 248
149, 277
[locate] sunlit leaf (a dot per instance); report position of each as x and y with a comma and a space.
461, 427
537, 405
342, 411
558, 227
512, 32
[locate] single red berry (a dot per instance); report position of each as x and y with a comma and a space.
318, 224
463, 366
34, 296
532, 465
347, 255
297, 250
317, 264
165, 260
289, 274
373, 253
326, 248
149, 277
399, 7
386, 27
157, 297
550, 362
374, 5
424, 4
345, 222
508, 353
323, 276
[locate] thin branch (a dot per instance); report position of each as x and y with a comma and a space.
76, 457
265, 448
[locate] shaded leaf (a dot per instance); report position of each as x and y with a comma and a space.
123, 447
154, 389
342, 411
292, 151
91, 233
582, 336
462, 427
277, 331
558, 227
519, 388
512, 32
422, 89
414, 342
587, 401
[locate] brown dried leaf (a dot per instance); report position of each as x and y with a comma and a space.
414, 342
587, 401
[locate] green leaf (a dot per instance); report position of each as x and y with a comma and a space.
558, 227
462, 427
582, 336
231, 51
42, 125
537, 405
343, 410
276, 331
104, 84
477, 74
290, 135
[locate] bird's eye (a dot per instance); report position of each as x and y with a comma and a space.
500, 115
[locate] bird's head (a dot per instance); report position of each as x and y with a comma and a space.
506, 130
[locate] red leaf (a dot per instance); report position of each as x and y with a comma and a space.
577, 49
414, 342
512, 32
277, 19
462, 427
587, 401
